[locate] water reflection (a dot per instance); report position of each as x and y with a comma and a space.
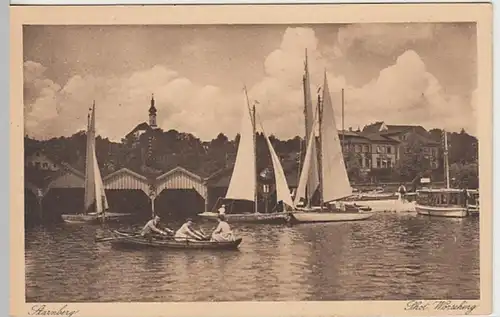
387, 258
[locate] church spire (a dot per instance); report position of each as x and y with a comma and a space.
152, 113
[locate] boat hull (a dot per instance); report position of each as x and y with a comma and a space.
388, 205
92, 218
123, 239
278, 217
473, 210
454, 212
313, 216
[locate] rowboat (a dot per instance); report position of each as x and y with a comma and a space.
127, 239
95, 201
93, 218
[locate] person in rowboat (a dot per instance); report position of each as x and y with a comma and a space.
186, 231
223, 232
151, 227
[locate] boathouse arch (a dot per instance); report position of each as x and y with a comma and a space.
180, 193
126, 179
181, 178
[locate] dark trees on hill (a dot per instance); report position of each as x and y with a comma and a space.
173, 148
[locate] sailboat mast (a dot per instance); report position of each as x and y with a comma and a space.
343, 129
320, 150
306, 119
254, 134
88, 189
255, 156
446, 163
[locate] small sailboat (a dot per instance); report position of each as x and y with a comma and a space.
333, 181
95, 200
243, 184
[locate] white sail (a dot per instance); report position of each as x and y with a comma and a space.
313, 174
243, 181
335, 182
100, 194
89, 197
304, 174
282, 188
95, 191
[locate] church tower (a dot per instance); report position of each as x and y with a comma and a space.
152, 113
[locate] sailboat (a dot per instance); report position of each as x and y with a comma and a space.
95, 200
333, 180
243, 184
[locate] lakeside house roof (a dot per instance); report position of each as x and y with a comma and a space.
375, 137
33, 150
381, 127
144, 126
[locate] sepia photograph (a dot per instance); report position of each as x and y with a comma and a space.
301, 161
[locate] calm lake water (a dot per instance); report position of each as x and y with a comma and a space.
389, 257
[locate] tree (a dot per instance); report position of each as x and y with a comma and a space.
462, 148
353, 165
413, 162
464, 175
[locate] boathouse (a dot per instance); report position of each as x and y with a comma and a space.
177, 193
180, 192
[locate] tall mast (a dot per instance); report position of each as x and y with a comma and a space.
343, 129
320, 150
256, 195
255, 157
306, 134
446, 163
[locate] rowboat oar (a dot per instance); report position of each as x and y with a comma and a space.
105, 239
201, 233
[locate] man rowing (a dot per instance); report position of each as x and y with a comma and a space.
186, 231
151, 227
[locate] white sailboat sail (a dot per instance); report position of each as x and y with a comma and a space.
335, 182
243, 181
312, 171
90, 192
304, 174
94, 190
282, 188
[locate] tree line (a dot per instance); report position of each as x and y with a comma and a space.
157, 151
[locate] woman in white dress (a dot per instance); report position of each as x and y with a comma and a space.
223, 232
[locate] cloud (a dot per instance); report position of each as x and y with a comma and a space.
404, 92
381, 38
122, 103
40, 96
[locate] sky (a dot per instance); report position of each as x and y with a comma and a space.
414, 73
